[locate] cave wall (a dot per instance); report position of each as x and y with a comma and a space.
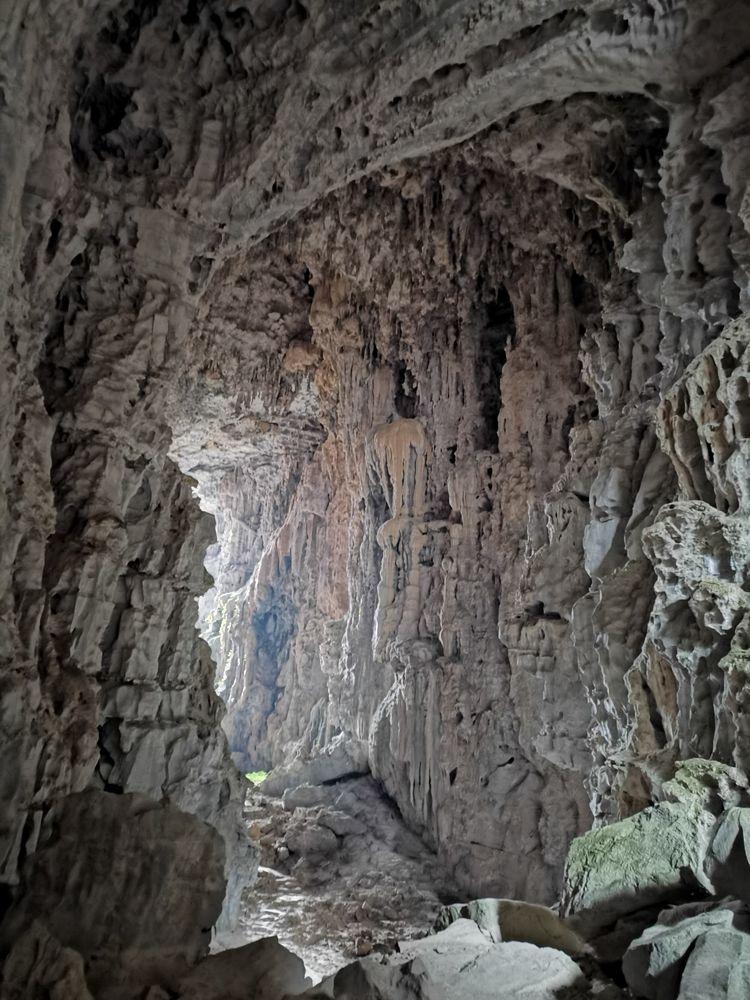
470, 581
107, 685
420, 300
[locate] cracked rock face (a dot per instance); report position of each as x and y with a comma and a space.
439, 310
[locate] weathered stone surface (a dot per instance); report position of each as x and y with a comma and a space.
698, 842
495, 602
656, 855
311, 841
377, 884
132, 885
342, 824
38, 967
459, 961
718, 967
305, 796
513, 920
655, 967
340, 759
263, 970
441, 311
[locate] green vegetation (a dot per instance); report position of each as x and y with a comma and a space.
256, 776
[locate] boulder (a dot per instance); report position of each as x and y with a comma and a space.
132, 885
38, 967
263, 970
654, 964
654, 856
709, 783
697, 841
309, 840
341, 823
728, 863
718, 967
513, 920
666, 851
340, 759
305, 797
460, 961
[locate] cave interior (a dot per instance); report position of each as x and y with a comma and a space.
375, 500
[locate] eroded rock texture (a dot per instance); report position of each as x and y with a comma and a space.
438, 308
133, 885
489, 572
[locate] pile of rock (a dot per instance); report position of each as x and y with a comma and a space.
663, 895
646, 913
656, 906
341, 875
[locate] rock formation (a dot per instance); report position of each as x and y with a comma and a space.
341, 875
421, 327
488, 570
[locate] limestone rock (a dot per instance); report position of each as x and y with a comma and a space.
341, 759
263, 970
654, 856
341, 823
310, 841
715, 940
378, 885
697, 841
39, 967
718, 967
151, 876
513, 920
304, 796
440, 311
458, 961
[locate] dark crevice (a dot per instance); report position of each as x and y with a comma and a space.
405, 399
496, 336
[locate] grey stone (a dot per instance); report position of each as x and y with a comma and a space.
696, 842
305, 796
341, 759
718, 967
311, 840
341, 823
513, 920
655, 855
458, 961
263, 970
441, 315
151, 879
654, 963
38, 967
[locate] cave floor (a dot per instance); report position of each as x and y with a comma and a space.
340, 877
